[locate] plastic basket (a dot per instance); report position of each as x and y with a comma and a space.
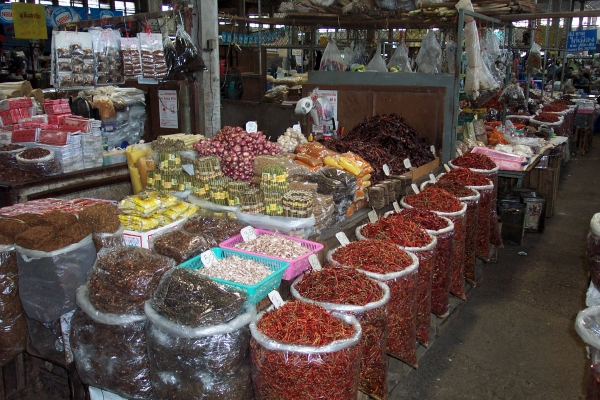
297, 265
255, 292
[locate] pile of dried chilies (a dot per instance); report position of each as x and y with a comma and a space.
385, 262
336, 289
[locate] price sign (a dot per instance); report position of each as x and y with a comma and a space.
208, 258
432, 178
314, 262
342, 238
248, 233
373, 216
396, 206
275, 298
446, 167
386, 169
432, 148
251, 127
415, 188
407, 163
297, 127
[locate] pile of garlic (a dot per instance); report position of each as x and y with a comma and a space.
290, 139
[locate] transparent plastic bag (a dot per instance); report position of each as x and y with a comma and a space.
387, 4
332, 59
297, 227
429, 59
534, 59
373, 319
306, 366
348, 53
513, 95
13, 327
187, 57
48, 280
400, 60
587, 326
110, 350
179, 245
377, 63
170, 56
451, 56
593, 249
108, 61
44, 166
114, 239
215, 226
46, 338
401, 342
359, 57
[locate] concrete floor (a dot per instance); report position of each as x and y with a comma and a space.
515, 339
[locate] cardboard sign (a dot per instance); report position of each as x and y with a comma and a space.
29, 20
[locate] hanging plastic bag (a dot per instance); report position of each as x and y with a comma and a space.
429, 58
170, 55
534, 60
187, 56
451, 56
513, 95
400, 61
322, 3
332, 59
387, 4
377, 63
348, 54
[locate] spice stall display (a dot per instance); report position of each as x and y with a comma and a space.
316, 360
179, 244
292, 250
485, 187
471, 198
397, 268
409, 236
197, 339
215, 229
110, 349
340, 184
446, 205
348, 291
443, 230
13, 327
483, 164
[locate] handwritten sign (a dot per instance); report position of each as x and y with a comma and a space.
29, 20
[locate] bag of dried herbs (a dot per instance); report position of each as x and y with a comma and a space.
110, 349
179, 245
123, 278
197, 339
214, 227
103, 220
13, 328
48, 279
187, 56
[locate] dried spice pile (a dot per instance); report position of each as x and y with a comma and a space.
476, 161
101, 217
34, 153
12, 226
50, 232
274, 245
349, 287
215, 230
547, 117
556, 106
124, 278
402, 232
180, 245
434, 199
8, 174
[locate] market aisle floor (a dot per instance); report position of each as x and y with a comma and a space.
515, 337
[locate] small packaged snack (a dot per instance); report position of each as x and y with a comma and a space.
107, 56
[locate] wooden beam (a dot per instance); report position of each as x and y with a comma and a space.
565, 14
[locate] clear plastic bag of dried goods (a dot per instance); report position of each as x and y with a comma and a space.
534, 59
123, 278
114, 239
429, 59
587, 325
46, 339
170, 56
13, 327
373, 319
215, 226
8, 154
110, 349
402, 321
297, 227
400, 60
377, 63
48, 280
179, 244
38, 160
593, 249
207, 358
512, 95
335, 182
332, 59
282, 370
187, 57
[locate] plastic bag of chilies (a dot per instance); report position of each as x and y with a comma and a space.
187, 57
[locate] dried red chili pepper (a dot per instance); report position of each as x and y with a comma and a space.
435, 199
556, 107
546, 117
387, 263
443, 229
280, 374
340, 287
474, 160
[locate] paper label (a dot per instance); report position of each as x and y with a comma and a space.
386, 169
446, 167
248, 233
432, 178
275, 298
208, 258
396, 206
251, 127
168, 113
407, 163
297, 127
314, 262
432, 148
373, 216
342, 238
415, 188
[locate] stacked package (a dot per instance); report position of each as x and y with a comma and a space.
92, 144
150, 210
14, 110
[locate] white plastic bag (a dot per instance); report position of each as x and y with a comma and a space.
377, 63
451, 55
429, 59
332, 59
400, 61
297, 227
534, 59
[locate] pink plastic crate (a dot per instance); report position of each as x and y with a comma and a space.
297, 265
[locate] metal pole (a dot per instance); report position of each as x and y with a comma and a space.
567, 30
449, 152
508, 70
260, 66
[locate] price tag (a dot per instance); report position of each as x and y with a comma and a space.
373, 216
396, 206
432, 148
342, 238
251, 127
415, 188
208, 258
275, 298
188, 168
314, 262
297, 127
248, 233
446, 167
407, 163
386, 169
432, 178
459, 151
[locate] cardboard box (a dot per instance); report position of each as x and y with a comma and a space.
142, 239
425, 169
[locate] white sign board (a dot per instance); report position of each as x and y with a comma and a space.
167, 104
332, 96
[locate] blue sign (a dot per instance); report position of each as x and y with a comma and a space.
97, 13
56, 16
582, 40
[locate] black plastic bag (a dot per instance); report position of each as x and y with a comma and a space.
187, 57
